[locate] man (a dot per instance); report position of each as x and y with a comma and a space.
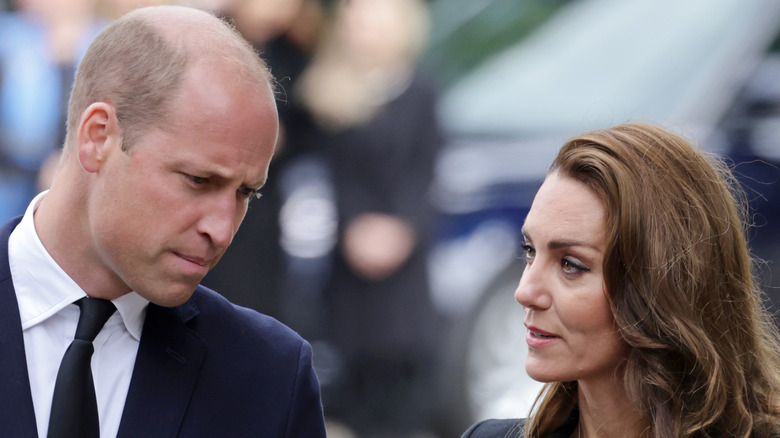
171, 127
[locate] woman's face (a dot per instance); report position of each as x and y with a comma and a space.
571, 331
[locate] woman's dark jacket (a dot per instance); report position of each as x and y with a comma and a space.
513, 428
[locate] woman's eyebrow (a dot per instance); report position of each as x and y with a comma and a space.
566, 243
561, 243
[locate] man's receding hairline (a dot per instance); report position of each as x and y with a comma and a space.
193, 30
171, 21
179, 14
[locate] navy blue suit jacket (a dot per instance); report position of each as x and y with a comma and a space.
207, 368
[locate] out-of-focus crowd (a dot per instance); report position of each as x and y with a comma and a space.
337, 246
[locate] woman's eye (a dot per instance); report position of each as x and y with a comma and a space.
571, 267
528, 251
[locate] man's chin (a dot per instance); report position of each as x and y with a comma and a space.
175, 296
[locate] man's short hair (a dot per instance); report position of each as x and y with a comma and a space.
138, 65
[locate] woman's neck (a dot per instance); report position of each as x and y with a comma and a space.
606, 411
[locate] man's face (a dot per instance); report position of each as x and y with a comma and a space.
163, 214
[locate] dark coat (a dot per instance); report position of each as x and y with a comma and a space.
206, 368
386, 166
513, 428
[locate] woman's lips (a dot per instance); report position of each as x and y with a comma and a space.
538, 338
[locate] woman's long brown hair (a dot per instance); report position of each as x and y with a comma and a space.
704, 355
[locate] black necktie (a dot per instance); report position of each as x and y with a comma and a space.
74, 408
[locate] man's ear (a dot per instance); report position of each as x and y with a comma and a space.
97, 136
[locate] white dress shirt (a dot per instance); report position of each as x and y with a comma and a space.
46, 295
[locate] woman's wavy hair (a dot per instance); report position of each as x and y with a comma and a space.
704, 354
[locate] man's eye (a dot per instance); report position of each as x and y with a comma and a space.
249, 193
198, 179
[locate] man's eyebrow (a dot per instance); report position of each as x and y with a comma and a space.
259, 184
217, 173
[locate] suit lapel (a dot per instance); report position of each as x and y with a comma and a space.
17, 414
166, 370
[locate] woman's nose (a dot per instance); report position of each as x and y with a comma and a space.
532, 292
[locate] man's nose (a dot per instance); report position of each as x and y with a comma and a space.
219, 220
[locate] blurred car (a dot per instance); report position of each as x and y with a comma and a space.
593, 64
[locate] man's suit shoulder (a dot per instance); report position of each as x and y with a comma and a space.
215, 316
253, 370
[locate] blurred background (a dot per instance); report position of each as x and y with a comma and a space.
414, 136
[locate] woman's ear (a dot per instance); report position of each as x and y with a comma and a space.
98, 134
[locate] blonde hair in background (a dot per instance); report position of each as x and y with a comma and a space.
365, 60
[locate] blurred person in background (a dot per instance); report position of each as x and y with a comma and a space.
284, 32
41, 43
376, 127
642, 311
113, 9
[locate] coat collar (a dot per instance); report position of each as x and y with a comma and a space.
17, 414
166, 370
167, 366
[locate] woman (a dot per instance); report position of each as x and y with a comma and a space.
377, 130
641, 309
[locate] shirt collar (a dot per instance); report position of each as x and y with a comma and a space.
132, 307
43, 288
